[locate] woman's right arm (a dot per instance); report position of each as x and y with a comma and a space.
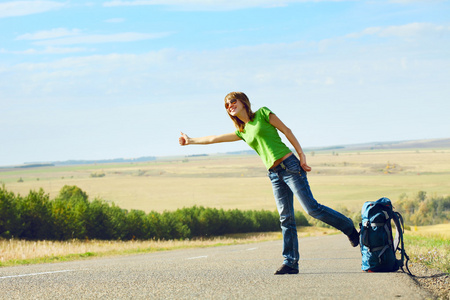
184, 140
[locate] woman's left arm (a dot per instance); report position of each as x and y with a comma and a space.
278, 124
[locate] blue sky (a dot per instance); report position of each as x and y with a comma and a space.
110, 79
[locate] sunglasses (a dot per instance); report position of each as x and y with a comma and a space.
227, 105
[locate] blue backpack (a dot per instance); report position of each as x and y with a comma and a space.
378, 247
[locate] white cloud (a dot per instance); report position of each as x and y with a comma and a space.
327, 63
403, 31
23, 8
414, 29
62, 36
49, 34
286, 67
415, 1
211, 4
105, 38
48, 50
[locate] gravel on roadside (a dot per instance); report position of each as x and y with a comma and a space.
434, 281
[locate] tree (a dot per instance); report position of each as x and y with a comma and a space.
98, 224
9, 221
68, 211
36, 216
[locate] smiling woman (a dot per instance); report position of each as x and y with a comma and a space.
287, 172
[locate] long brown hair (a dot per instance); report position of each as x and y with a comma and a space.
248, 108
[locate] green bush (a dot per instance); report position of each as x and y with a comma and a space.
97, 221
9, 214
69, 211
118, 220
36, 216
71, 215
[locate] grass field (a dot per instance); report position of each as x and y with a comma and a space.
346, 179
430, 245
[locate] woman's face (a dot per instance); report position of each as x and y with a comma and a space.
234, 106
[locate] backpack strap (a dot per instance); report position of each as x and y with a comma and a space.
398, 242
398, 221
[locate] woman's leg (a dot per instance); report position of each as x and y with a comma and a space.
295, 177
284, 199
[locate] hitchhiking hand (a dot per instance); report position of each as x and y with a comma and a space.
183, 139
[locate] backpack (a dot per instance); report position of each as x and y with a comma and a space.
378, 248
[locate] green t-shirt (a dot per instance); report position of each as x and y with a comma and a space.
260, 135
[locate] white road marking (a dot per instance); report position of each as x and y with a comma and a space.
197, 257
251, 249
35, 274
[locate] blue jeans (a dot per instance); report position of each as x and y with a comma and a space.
289, 179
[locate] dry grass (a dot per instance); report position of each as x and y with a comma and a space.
441, 231
15, 252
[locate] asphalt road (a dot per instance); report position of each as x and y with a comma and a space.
329, 269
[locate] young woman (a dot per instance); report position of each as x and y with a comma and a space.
287, 173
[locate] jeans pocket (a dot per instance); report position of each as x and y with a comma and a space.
293, 166
294, 170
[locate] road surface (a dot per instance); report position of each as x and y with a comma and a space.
329, 269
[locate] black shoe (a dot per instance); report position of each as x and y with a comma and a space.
286, 270
354, 238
